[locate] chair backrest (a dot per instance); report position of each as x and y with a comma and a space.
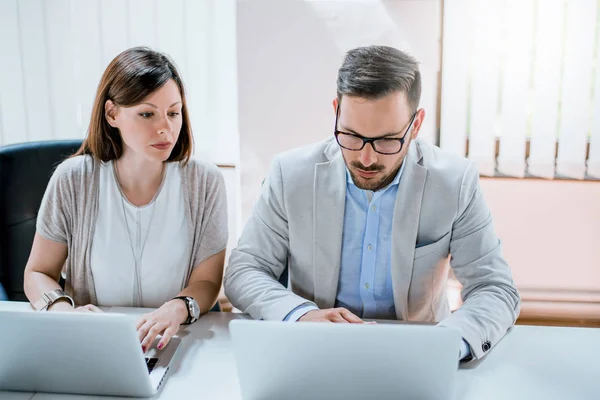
25, 170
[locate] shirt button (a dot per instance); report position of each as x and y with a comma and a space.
367, 285
374, 208
370, 247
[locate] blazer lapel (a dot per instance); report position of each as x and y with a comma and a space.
404, 227
328, 212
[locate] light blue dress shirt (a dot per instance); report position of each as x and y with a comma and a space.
365, 281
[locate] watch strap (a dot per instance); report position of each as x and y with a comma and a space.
50, 298
186, 299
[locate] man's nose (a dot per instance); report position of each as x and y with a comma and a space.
368, 155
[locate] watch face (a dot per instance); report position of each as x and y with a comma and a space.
194, 309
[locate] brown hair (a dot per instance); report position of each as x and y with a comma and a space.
375, 71
132, 76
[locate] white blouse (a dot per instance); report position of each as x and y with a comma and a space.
158, 234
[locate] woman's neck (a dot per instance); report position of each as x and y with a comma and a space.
139, 178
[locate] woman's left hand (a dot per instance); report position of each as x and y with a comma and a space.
165, 321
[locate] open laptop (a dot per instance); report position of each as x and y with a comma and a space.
84, 353
282, 360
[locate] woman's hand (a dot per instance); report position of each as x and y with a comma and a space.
88, 308
65, 306
165, 321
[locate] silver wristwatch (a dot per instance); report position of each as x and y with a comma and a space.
50, 298
192, 308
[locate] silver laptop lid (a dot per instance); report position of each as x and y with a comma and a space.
85, 353
344, 361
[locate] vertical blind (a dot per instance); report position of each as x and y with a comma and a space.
521, 86
520, 92
54, 53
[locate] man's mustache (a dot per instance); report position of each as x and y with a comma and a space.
372, 168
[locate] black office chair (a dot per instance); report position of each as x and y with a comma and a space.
25, 170
283, 279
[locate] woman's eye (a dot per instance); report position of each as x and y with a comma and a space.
174, 114
146, 115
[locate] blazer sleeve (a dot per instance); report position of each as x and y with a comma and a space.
255, 265
491, 300
211, 229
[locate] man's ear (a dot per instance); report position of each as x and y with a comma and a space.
110, 113
420, 117
335, 104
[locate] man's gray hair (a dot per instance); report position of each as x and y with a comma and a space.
375, 71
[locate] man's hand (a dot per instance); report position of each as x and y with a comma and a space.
340, 315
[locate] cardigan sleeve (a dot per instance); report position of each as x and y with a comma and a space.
211, 224
55, 215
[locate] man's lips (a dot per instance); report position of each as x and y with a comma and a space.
366, 174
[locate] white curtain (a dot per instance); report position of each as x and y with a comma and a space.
54, 53
484, 86
576, 88
546, 84
528, 78
594, 159
516, 50
455, 58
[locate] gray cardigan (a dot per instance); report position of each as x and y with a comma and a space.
70, 207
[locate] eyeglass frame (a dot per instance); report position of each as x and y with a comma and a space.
366, 140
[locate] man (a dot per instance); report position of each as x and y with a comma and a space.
370, 220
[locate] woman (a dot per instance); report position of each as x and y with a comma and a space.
131, 219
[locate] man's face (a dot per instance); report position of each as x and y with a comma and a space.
388, 117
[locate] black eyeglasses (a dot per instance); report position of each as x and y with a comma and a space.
387, 146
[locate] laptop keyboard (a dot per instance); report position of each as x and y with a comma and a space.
151, 363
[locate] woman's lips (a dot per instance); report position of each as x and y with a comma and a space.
162, 146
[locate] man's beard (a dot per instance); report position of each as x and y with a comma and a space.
373, 183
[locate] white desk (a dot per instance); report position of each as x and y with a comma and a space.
530, 363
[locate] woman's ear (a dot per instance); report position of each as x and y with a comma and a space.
110, 113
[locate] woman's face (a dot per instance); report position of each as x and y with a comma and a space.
151, 128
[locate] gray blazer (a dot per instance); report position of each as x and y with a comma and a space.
440, 220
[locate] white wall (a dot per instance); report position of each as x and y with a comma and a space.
289, 53
550, 232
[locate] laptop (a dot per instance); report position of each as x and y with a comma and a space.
282, 360
83, 353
